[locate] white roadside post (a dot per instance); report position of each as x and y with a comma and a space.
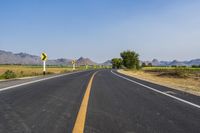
74, 65
44, 67
44, 58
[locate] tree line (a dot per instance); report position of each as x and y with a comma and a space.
129, 59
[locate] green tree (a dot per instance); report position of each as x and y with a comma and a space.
116, 63
130, 59
144, 64
149, 65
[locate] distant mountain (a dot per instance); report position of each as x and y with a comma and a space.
85, 61
60, 61
194, 62
177, 63
27, 59
107, 63
20, 58
155, 62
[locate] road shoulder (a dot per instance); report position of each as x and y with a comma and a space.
159, 81
164, 89
7, 84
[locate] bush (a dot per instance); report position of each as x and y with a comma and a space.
9, 74
149, 65
21, 73
130, 59
64, 71
116, 63
143, 64
195, 66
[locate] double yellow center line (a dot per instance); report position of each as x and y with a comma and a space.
80, 120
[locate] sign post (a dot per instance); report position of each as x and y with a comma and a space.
74, 65
44, 67
86, 66
44, 58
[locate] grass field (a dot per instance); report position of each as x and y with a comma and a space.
24, 71
185, 79
171, 68
177, 72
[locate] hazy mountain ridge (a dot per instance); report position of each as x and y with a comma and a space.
85, 61
156, 62
107, 63
27, 59
19, 58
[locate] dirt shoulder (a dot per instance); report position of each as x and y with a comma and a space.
189, 85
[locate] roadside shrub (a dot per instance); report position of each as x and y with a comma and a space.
9, 74
50, 73
116, 63
181, 72
64, 71
130, 59
178, 72
143, 64
195, 66
21, 73
149, 65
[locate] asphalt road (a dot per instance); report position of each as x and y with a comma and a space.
49, 106
116, 105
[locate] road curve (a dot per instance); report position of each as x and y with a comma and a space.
116, 105
119, 106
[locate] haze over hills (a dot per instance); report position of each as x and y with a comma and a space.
156, 62
27, 59
107, 63
85, 61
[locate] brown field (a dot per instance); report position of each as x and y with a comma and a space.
23, 71
190, 84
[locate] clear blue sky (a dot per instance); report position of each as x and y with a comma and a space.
101, 29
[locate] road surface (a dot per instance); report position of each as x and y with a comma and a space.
108, 103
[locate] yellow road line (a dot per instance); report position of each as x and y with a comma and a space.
80, 120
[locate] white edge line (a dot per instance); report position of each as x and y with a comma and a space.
179, 99
39, 80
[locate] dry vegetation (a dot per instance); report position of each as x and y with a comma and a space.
23, 71
185, 79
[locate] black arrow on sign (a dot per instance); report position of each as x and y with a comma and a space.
43, 56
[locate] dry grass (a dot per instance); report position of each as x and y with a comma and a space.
178, 72
191, 85
22, 71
